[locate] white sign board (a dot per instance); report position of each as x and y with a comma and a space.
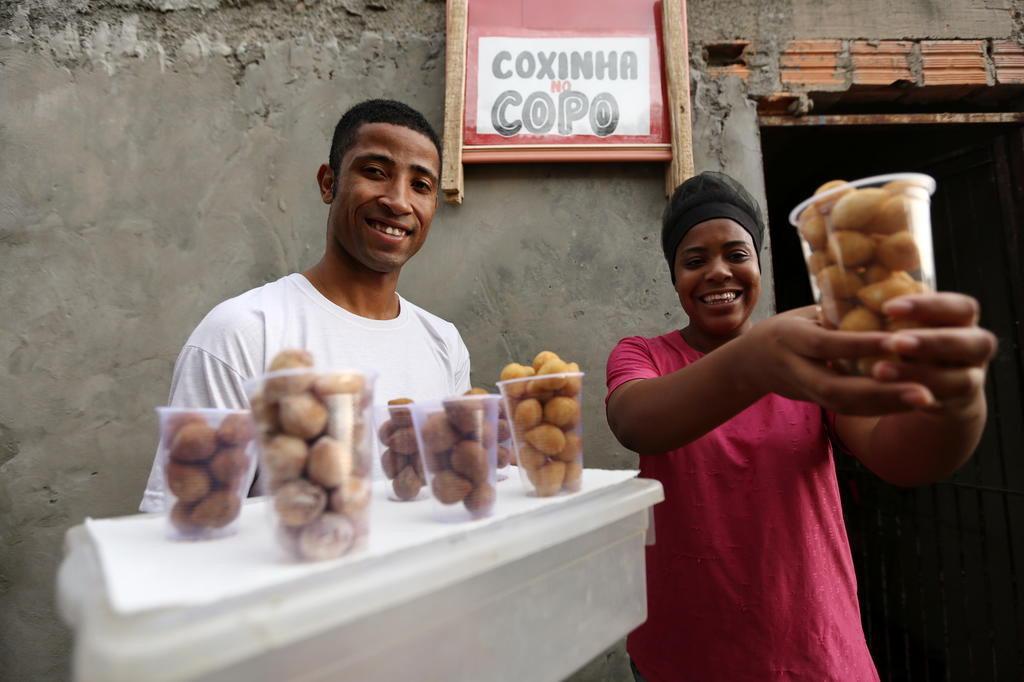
564, 86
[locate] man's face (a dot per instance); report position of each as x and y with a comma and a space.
386, 195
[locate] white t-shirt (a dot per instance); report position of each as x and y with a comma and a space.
416, 355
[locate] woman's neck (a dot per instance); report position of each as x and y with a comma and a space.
704, 342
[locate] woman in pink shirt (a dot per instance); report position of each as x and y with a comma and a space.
751, 576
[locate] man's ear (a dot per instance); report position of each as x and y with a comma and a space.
325, 183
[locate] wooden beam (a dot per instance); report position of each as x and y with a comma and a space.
676, 57
581, 153
889, 119
454, 101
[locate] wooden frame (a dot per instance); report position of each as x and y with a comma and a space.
677, 83
674, 60
454, 100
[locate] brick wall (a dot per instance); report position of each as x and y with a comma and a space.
779, 75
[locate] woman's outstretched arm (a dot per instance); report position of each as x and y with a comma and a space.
785, 354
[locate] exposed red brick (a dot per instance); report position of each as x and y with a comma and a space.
731, 70
881, 62
1008, 58
811, 63
953, 62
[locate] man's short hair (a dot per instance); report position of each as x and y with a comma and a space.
376, 111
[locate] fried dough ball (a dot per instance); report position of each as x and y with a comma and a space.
302, 415
875, 295
284, 459
329, 536
572, 450
481, 499
437, 433
407, 484
235, 429
217, 509
547, 438
860, 319
857, 209
331, 462
514, 370
899, 252
548, 479
195, 441
528, 414
449, 487
228, 466
850, 248
837, 282
530, 457
562, 412
812, 228
299, 502
189, 483
542, 358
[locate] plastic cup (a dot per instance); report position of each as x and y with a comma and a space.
506, 449
400, 454
316, 457
865, 242
458, 442
547, 430
208, 459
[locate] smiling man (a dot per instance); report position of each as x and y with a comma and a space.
381, 184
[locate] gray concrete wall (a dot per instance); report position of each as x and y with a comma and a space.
158, 156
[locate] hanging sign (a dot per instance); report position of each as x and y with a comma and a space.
563, 87
563, 80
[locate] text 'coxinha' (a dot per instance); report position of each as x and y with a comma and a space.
540, 112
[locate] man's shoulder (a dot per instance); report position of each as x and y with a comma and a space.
434, 324
240, 316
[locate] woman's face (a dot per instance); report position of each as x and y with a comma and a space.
717, 277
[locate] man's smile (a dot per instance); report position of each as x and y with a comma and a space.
388, 227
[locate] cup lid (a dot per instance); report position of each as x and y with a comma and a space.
213, 411
534, 377
476, 397
926, 182
253, 385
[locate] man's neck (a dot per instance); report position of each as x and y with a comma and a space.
358, 290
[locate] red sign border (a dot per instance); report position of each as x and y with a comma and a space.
493, 148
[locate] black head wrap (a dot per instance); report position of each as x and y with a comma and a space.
705, 197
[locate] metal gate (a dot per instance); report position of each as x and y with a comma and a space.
941, 568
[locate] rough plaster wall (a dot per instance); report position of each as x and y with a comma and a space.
143, 181
158, 156
130, 204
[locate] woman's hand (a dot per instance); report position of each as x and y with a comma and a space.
948, 355
788, 354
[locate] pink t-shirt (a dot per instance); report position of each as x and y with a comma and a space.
750, 577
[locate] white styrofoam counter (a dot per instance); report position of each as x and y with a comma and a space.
532, 593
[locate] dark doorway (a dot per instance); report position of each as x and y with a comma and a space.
940, 568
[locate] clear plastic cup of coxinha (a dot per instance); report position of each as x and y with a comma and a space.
866, 242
